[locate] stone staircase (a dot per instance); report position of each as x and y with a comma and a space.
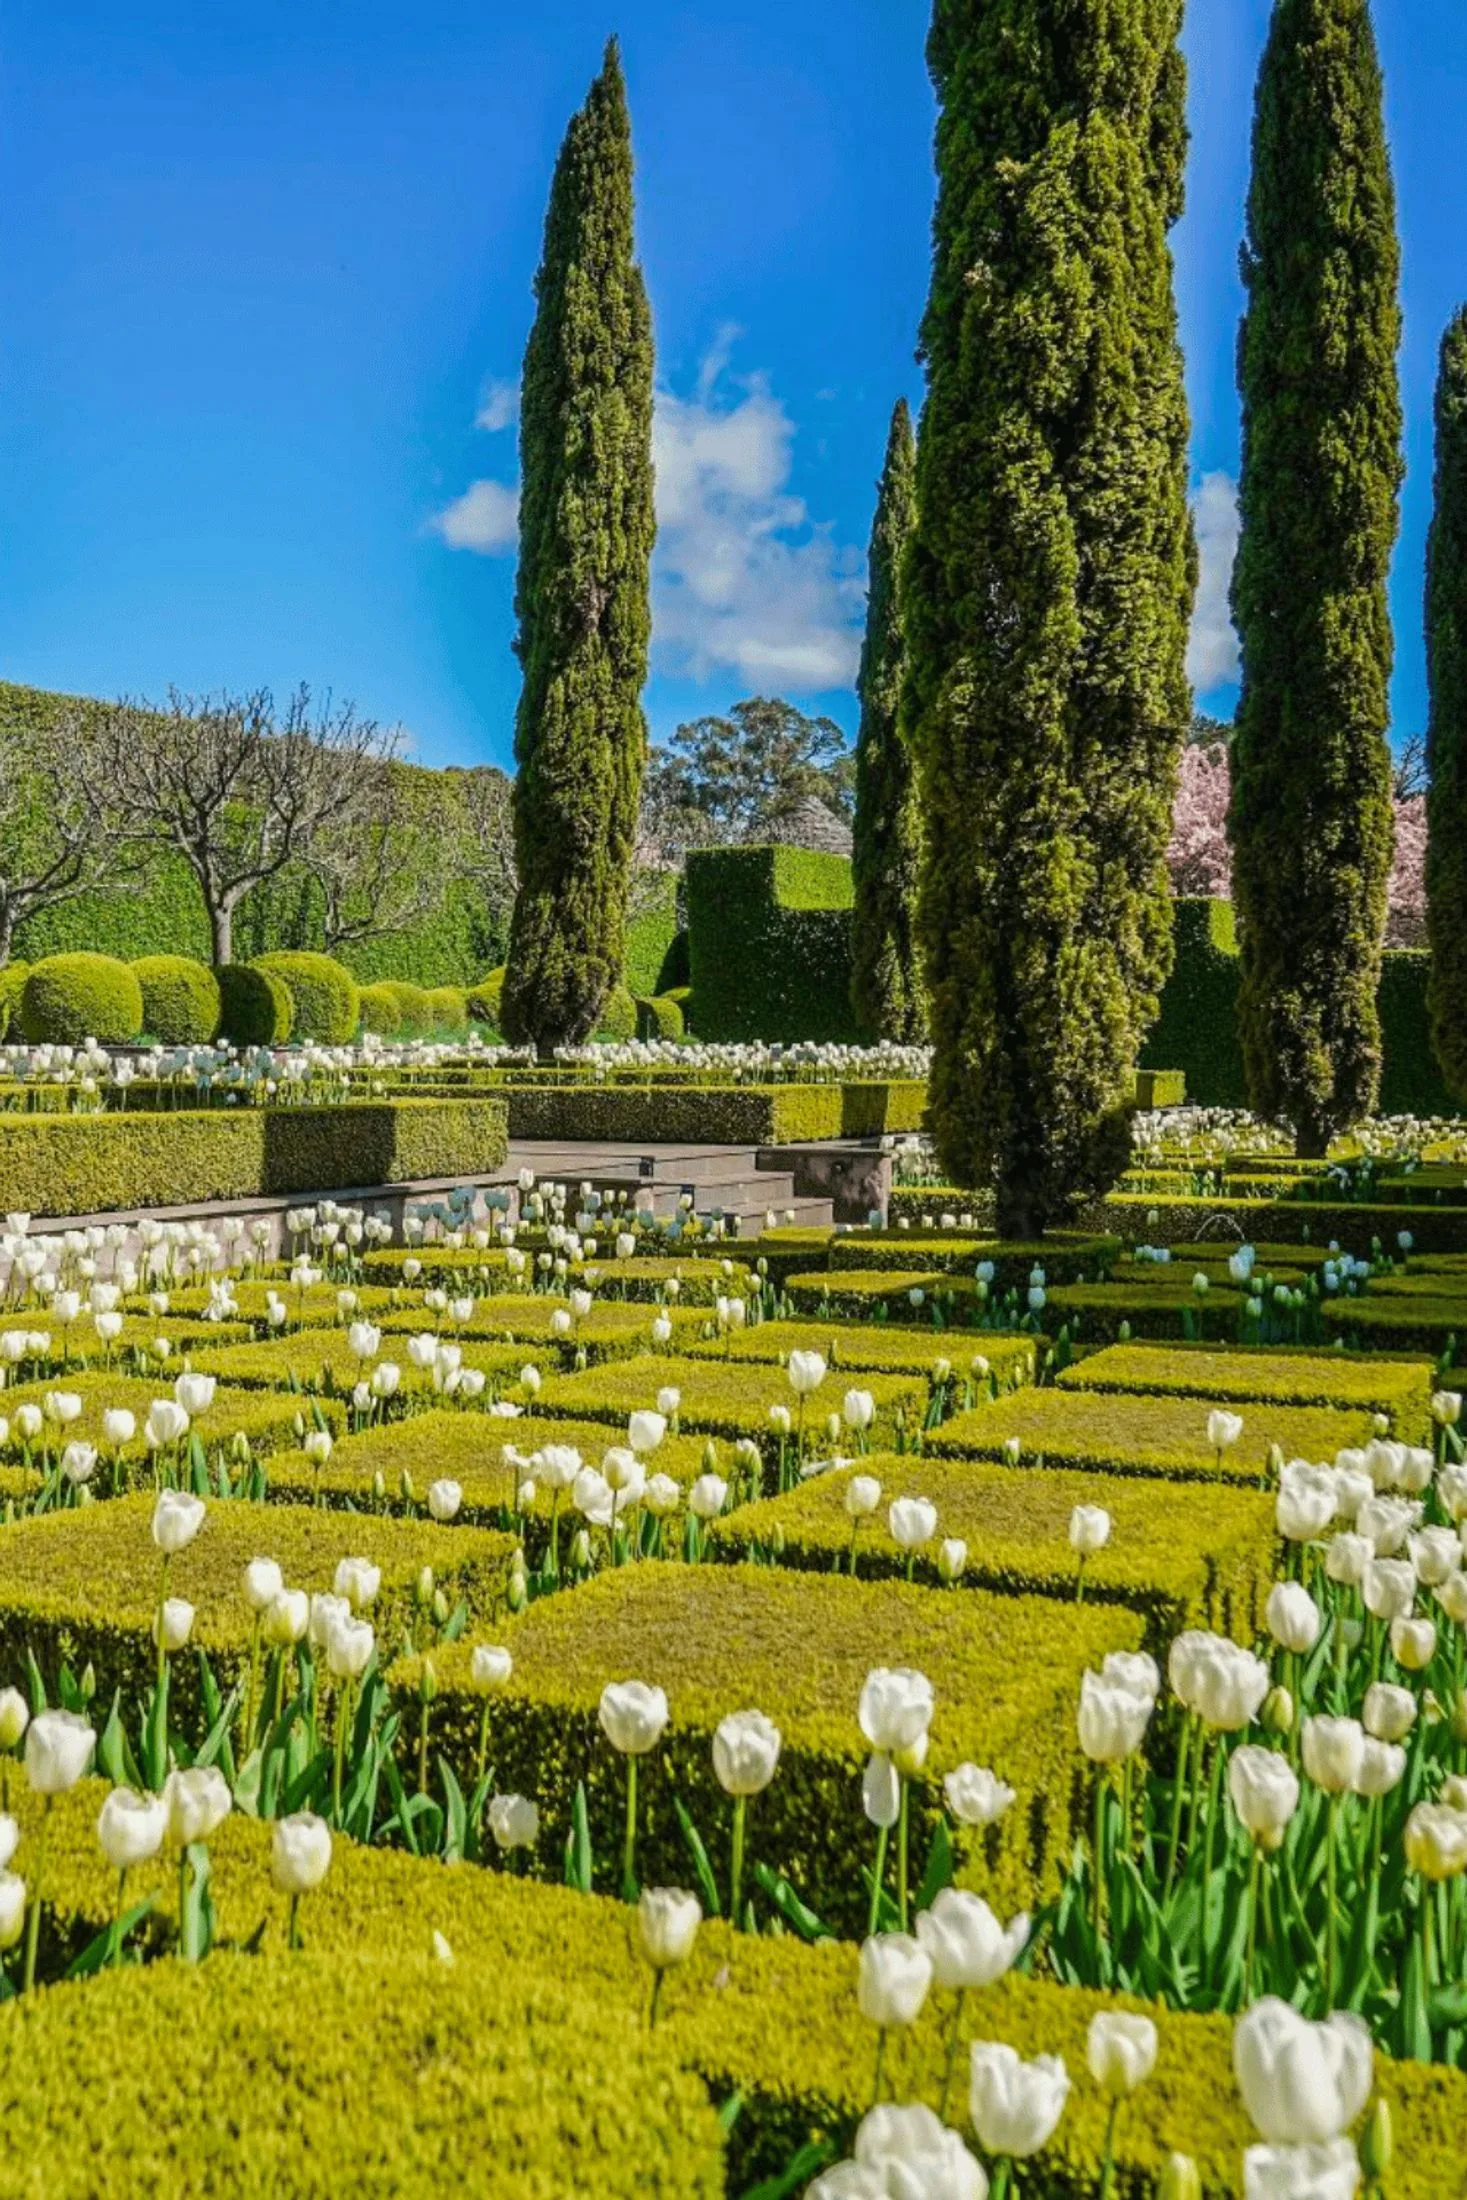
743, 1182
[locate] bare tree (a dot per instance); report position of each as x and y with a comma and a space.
1409, 777
375, 867
486, 854
57, 838
237, 791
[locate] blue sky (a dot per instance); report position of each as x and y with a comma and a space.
266, 283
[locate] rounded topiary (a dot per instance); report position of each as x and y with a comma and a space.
68, 998
681, 998
659, 1018
256, 1007
327, 997
618, 1019
484, 998
677, 967
448, 1008
12, 985
180, 999
381, 1010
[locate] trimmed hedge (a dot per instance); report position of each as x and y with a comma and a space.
855, 1346
1354, 1225
618, 1019
1397, 1324
84, 1164
12, 985
769, 941
82, 1586
660, 1017
1160, 1088
1270, 1377
486, 2087
321, 1362
1178, 1563
448, 1008
810, 2070
730, 1401
68, 998
181, 1004
326, 996
609, 1332
730, 1115
256, 1006
268, 1422
1005, 1672
1135, 1434
381, 1010
859, 1294
484, 998
1410, 1081
1065, 1258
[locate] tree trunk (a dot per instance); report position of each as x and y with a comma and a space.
221, 924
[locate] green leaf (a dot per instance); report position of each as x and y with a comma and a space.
812, 2157
97, 1950
456, 1819
939, 1871
693, 1841
788, 1905
578, 1844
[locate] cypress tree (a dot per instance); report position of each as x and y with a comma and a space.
1446, 737
1311, 821
886, 979
1049, 584
581, 594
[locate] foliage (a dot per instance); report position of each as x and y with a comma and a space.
256, 1006
1049, 585
581, 595
731, 1115
1393, 1387
1321, 472
57, 830
887, 991
618, 1016
769, 935
381, 1010
12, 986
181, 1001
1446, 651
68, 998
731, 780
327, 1003
1134, 1433
661, 1017
727, 1400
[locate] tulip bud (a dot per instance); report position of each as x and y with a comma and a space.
379, 1486
405, 1487
440, 1608
1376, 2146
1277, 1715
580, 1550
88, 1681
517, 1594
423, 1588
427, 1682
1459, 1717
1179, 2179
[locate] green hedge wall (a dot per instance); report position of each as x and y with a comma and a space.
1196, 1031
769, 944
650, 936
731, 1115
85, 1164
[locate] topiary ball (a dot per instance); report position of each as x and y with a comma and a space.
12, 985
412, 1006
618, 1019
659, 1018
180, 999
484, 998
327, 997
68, 998
448, 1008
256, 1008
381, 1010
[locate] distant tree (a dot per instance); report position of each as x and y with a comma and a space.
58, 835
483, 850
581, 595
240, 792
1446, 666
1318, 495
1409, 774
379, 870
1199, 858
1207, 732
735, 777
887, 991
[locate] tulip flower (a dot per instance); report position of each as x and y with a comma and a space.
969, 1950
1015, 2105
906, 2151
445, 1496
913, 1524
1303, 2084
633, 1718
514, 1822
668, 1919
1223, 1431
357, 1581
894, 1976
746, 1749
130, 1830
12, 1909
976, 1796
300, 1857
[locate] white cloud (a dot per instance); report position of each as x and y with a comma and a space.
1212, 650
743, 579
485, 518
499, 406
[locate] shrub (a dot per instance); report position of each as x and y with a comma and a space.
659, 1018
769, 938
321, 1361
1005, 1671
609, 1331
851, 1347
1136, 1434
414, 1014
381, 1010
68, 998
181, 1001
483, 999
268, 1423
730, 1401
734, 1115
256, 1007
448, 1008
618, 1020
1064, 1257
12, 985
1393, 1387
326, 996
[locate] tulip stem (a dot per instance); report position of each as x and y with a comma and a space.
629, 1845
343, 1710
880, 2064
33, 1922
249, 1725
878, 1877
423, 1712
1428, 1962
1099, 1888
736, 1859
1108, 2158
1209, 1836
483, 1743
114, 1953
1255, 1869
293, 1923
998, 2190
657, 1977
1331, 1922
162, 1601
903, 1823
554, 1567
954, 2032
1178, 1784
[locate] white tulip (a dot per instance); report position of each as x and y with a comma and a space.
172, 1628
1112, 1720
858, 1410
1293, 1617
198, 1802
707, 1497
444, 1498
118, 1426
667, 1925
645, 1431
1382, 1767
1436, 1841
1328, 2172
1302, 2083
863, 1495
177, 1518
1334, 1751
746, 1749
633, 1716
976, 1796
358, 1581
349, 1646
194, 1393
908, 2152
896, 1708
1015, 2105
967, 1945
490, 1667
12, 1908
263, 1582
893, 1979
1264, 1789
300, 1852
912, 1522
1090, 1527
1223, 1429
1120, 2050
1390, 1712
131, 1828
806, 1372
514, 1822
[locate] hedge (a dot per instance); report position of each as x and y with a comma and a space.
12, 985
879, 1346
808, 2069
448, 1008
643, 1279
769, 943
730, 1115
730, 1401
326, 996
484, 998
1005, 1673
321, 1361
83, 1164
1284, 1378
314, 1307
608, 1332
1160, 1088
1064, 1257
181, 1002
486, 2086
1178, 1563
256, 1006
1397, 1324
68, 998
381, 1010
660, 1017
618, 1019
268, 1422
1134, 1434
1161, 1305
1354, 1225
857, 1294
82, 1587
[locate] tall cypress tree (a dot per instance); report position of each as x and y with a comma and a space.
1311, 822
581, 596
1049, 584
887, 992
1446, 739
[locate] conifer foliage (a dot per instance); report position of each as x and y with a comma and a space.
1446, 740
1311, 803
581, 594
887, 991
1050, 584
